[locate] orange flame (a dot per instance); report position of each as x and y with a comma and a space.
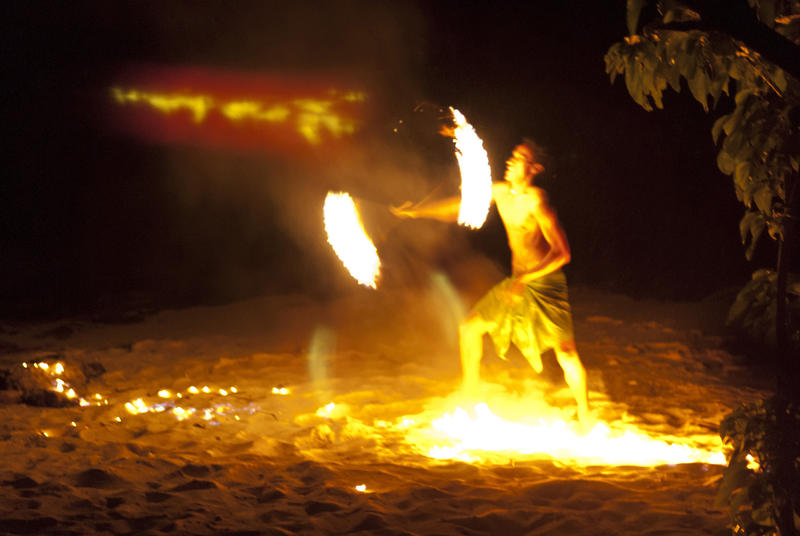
488, 432
349, 240
484, 436
476, 175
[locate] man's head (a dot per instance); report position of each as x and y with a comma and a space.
527, 160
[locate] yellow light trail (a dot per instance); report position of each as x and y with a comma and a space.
313, 118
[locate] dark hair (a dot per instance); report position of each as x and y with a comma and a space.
540, 154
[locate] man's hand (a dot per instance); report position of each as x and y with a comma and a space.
404, 211
516, 289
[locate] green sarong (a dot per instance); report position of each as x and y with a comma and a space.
539, 320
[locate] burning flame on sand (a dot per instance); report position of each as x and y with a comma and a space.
476, 175
529, 433
477, 436
461, 436
349, 240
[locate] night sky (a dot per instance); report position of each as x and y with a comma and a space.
94, 219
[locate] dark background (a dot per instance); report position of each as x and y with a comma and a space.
94, 220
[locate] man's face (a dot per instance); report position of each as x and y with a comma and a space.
519, 166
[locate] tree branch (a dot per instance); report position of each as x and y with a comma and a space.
735, 18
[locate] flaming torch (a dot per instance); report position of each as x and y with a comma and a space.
476, 175
349, 240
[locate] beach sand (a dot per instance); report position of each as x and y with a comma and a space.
318, 420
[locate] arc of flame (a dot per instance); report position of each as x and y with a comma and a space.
349, 240
476, 175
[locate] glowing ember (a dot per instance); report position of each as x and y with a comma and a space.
280, 391
59, 385
181, 413
326, 410
349, 240
476, 175
362, 488
136, 407
468, 438
211, 412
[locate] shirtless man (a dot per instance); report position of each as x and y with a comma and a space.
530, 307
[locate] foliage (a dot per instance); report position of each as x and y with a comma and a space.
749, 487
688, 45
760, 139
754, 310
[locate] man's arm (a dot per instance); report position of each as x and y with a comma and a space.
444, 210
559, 253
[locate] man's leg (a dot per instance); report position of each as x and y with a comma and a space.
575, 375
470, 337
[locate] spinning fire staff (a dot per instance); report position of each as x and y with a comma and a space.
530, 307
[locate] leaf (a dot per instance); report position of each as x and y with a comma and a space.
724, 162
763, 514
741, 174
793, 288
767, 13
716, 130
780, 79
698, 85
733, 144
633, 82
756, 230
763, 199
744, 224
742, 96
734, 479
633, 10
735, 314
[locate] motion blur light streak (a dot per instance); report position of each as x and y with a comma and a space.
321, 346
221, 108
312, 118
199, 105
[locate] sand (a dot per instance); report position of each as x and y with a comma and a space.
308, 400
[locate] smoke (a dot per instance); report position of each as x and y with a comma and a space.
243, 223
96, 215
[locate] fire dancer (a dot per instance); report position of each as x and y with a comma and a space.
530, 307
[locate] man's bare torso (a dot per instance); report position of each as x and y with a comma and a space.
519, 211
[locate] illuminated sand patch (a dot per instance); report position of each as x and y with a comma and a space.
488, 433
